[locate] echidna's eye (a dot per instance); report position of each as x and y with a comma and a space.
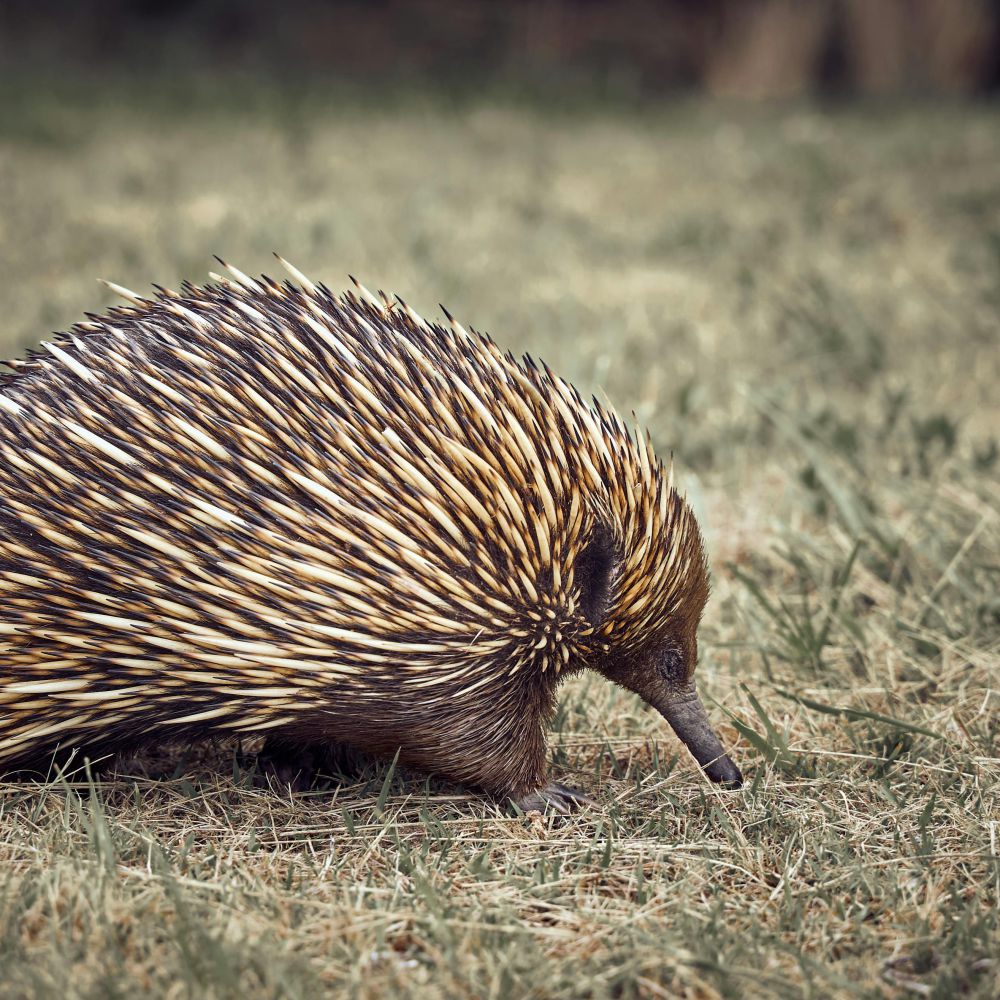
670, 664
594, 568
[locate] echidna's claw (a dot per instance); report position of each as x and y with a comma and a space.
553, 798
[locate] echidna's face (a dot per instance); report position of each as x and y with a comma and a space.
647, 621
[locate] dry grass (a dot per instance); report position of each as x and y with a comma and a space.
804, 307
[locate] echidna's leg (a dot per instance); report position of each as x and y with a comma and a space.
523, 780
289, 764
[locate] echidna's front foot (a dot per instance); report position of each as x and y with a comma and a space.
296, 765
554, 797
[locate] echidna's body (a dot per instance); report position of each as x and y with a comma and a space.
254, 508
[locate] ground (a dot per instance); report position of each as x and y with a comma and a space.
803, 304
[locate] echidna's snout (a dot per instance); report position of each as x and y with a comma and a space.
687, 717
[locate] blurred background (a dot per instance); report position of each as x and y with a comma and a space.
746, 49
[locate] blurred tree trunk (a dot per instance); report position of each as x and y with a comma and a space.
771, 48
944, 46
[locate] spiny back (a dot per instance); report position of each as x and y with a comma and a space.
240, 497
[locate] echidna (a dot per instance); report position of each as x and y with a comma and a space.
255, 507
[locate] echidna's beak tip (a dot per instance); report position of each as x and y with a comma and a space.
724, 772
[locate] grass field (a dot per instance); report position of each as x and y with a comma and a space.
805, 307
